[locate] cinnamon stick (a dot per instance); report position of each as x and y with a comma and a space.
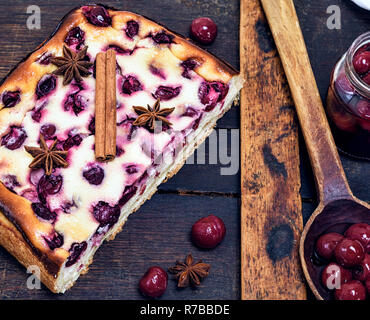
110, 105
100, 98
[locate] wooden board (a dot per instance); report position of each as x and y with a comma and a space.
271, 220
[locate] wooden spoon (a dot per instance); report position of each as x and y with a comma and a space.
338, 207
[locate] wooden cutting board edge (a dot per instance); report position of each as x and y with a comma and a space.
271, 208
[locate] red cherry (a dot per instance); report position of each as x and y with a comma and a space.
48, 130
154, 282
363, 108
362, 48
203, 30
362, 271
368, 285
208, 232
361, 233
361, 62
342, 119
333, 275
365, 124
349, 253
366, 79
326, 244
342, 84
353, 290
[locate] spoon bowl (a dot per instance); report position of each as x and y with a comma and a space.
337, 208
336, 216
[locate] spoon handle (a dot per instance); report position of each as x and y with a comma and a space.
330, 178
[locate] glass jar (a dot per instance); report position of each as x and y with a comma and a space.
348, 100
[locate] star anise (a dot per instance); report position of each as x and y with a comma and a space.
190, 271
46, 157
72, 65
151, 114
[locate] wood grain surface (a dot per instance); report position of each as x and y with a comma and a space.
271, 220
329, 175
159, 232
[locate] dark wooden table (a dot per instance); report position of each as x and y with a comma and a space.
158, 234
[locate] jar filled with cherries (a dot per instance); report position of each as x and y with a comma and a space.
348, 99
347, 262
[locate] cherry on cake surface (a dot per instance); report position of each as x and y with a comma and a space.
15, 138
97, 15
127, 194
132, 28
75, 102
165, 93
11, 98
49, 185
204, 30
10, 181
76, 36
42, 211
94, 174
131, 84
210, 93
162, 38
48, 130
55, 241
46, 85
106, 214
188, 65
71, 141
75, 252
38, 111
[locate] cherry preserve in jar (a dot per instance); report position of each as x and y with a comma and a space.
348, 99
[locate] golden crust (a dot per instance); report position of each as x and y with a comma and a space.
13, 241
19, 211
27, 74
20, 230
